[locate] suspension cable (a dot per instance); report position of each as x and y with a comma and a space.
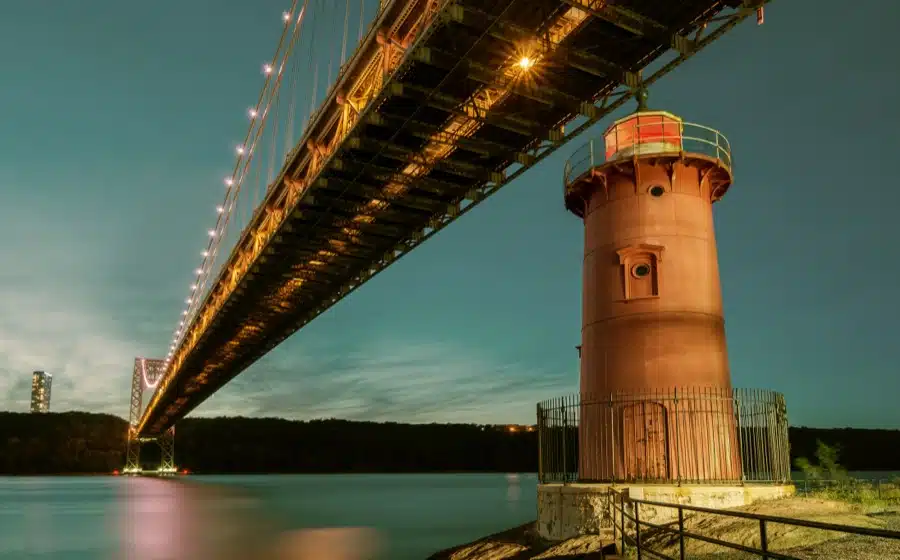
207, 270
208, 263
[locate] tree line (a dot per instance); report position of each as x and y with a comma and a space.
80, 442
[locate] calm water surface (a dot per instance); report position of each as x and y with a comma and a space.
221, 517
225, 517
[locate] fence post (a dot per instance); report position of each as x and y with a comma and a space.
677, 452
565, 436
637, 528
622, 512
611, 504
680, 532
540, 430
763, 539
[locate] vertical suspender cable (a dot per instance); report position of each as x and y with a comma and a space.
344, 43
313, 67
292, 110
331, 53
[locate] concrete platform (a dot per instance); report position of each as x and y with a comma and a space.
569, 510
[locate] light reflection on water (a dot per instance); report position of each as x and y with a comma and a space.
410, 516
513, 490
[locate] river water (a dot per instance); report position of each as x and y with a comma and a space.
405, 517
223, 517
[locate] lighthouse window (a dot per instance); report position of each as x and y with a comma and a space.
641, 270
657, 191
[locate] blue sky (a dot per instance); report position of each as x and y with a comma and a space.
120, 121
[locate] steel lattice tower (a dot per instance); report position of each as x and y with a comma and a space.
146, 375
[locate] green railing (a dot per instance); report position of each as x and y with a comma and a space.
696, 435
630, 532
692, 139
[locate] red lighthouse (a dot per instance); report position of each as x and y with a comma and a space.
652, 319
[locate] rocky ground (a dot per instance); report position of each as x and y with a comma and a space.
523, 543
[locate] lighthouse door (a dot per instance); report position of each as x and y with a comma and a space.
645, 441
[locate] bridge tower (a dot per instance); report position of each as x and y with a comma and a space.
146, 375
652, 319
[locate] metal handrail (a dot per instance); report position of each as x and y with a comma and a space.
692, 138
619, 499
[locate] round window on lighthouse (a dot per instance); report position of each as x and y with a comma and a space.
640, 270
657, 191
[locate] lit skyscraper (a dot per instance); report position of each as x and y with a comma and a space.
40, 391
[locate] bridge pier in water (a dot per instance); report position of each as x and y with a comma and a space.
656, 413
146, 375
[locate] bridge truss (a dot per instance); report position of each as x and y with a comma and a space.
442, 104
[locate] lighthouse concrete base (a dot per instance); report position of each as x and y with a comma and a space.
569, 510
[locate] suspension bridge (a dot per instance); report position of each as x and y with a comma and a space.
354, 156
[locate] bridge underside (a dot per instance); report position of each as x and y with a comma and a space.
326, 247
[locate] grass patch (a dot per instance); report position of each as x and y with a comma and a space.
826, 479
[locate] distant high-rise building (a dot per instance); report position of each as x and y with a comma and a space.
40, 391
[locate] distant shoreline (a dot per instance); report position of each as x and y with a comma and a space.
237, 473
794, 478
86, 444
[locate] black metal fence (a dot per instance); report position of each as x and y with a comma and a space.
690, 435
631, 532
869, 491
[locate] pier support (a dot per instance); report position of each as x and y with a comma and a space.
146, 375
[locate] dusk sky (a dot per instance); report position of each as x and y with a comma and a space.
120, 120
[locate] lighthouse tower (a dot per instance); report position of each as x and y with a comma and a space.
652, 320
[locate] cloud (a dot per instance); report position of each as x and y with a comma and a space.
89, 362
55, 328
80, 300
389, 380
56, 315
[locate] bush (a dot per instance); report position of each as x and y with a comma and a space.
828, 480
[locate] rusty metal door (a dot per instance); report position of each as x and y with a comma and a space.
645, 449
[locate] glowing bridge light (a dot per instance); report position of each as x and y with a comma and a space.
267, 69
188, 301
286, 16
239, 149
211, 233
525, 63
229, 181
220, 209
185, 312
193, 287
147, 381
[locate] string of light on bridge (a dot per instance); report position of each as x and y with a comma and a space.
233, 182
244, 154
